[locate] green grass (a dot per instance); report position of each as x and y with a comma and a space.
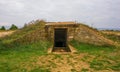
99, 64
84, 70
104, 57
89, 48
104, 64
40, 70
116, 67
113, 37
28, 34
11, 59
17, 51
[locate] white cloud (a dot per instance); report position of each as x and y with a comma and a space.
3, 23
103, 13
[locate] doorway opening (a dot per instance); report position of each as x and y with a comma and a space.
60, 40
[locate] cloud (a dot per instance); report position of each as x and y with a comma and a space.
101, 13
3, 23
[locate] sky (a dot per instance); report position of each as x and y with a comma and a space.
95, 13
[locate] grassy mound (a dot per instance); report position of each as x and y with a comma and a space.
86, 34
30, 37
30, 33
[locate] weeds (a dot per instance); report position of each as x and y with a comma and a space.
57, 56
11, 58
73, 70
98, 64
84, 70
92, 49
116, 67
33, 32
40, 70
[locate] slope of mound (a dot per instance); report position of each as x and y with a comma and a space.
89, 35
113, 35
30, 33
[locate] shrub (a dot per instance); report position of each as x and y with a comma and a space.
13, 27
2, 28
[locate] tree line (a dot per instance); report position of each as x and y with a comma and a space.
13, 27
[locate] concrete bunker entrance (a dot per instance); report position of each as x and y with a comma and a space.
60, 40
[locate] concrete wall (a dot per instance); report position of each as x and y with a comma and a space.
70, 32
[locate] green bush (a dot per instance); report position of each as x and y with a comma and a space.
13, 27
2, 28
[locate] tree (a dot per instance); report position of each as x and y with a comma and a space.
13, 27
2, 28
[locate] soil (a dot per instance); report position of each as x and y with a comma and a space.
66, 63
63, 63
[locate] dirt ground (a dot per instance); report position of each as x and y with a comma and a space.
64, 63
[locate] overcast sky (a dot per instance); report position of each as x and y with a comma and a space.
97, 13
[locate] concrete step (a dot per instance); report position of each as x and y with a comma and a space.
60, 49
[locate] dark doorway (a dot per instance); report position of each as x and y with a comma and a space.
60, 37
60, 40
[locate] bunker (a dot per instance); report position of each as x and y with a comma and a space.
60, 34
